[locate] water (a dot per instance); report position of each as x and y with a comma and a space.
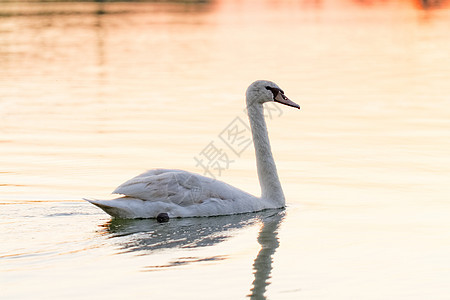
93, 93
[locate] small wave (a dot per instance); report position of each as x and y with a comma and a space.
184, 261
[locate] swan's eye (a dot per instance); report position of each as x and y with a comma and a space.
274, 91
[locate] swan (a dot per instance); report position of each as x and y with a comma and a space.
167, 193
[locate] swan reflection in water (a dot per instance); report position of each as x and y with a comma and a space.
262, 267
145, 236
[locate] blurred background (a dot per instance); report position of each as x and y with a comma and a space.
93, 93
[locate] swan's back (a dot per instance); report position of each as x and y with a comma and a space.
175, 186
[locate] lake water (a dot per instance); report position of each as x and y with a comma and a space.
94, 93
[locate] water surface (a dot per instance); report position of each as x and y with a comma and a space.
93, 93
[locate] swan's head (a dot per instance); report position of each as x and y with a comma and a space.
262, 91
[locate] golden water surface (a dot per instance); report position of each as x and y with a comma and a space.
93, 93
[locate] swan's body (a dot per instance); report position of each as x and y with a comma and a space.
184, 194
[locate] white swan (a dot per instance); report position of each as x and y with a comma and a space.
163, 193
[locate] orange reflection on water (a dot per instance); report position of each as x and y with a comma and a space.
92, 93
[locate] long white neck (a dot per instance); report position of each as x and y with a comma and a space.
267, 171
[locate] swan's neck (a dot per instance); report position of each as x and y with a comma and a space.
267, 171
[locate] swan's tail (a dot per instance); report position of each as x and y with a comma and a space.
118, 208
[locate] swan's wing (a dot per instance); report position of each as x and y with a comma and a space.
176, 186
180, 194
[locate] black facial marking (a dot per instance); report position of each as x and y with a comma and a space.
275, 91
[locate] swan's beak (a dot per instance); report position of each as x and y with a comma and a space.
281, 98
